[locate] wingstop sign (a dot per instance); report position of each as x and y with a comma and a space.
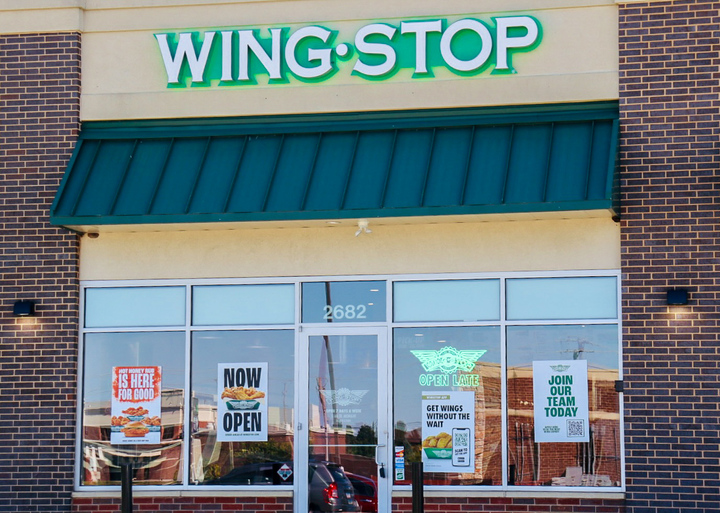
374, 52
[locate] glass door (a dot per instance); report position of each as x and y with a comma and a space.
346, 413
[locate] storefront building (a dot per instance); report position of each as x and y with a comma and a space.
275, 253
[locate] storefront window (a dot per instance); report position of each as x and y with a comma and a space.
343, 301
107, 440
118, 307
242, 460
215, 305
462, 364
547, 357
450, 300
484, 370
562, 298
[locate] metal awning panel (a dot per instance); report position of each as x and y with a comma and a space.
335, 167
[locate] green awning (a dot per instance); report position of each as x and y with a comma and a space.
342, 166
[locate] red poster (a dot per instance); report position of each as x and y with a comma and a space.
136, 405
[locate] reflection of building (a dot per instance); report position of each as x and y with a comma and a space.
156, 464
599, 457
213, 459
488, 431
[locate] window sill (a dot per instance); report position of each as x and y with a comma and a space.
542, 492
235, 492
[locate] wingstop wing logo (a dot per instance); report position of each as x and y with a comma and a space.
449, 360
315, 53
344, 396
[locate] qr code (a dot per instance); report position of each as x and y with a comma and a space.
461, 440
575, 428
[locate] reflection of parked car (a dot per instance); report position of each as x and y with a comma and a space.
254, 474
365, 492
330, 489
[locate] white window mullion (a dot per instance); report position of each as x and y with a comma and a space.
187, 434
503, 385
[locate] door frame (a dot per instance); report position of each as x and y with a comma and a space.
385, 431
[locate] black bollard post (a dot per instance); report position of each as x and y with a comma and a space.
126, 500
418, 498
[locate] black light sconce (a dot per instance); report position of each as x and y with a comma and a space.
677, 297
24, 308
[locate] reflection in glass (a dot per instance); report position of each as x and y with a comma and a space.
448, 300
243, 304
343, 301
242, 463
134, 306
411, 378
155, 464
596, 463
343, 422
562, 298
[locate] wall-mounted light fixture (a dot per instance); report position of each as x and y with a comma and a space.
677, 297
24, 308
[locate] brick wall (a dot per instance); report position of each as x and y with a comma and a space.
671, 238
510, 505
39, 112
187, 504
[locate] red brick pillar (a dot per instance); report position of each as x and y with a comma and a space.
669, 101
39, 115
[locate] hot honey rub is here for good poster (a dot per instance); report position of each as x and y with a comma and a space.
136, 405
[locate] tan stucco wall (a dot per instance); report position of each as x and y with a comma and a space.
563, 244
124, 76
35, 16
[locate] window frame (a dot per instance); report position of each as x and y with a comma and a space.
389, 324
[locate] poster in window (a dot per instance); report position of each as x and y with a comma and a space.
136, 405
242, 402
560, 394
448, 431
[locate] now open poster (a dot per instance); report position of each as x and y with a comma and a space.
242, 402
560, 394
136, 405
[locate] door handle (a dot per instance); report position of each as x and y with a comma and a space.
376, 453
381, 466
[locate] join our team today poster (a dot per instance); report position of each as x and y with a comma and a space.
242, 402
448, 431
136, 405
560, 394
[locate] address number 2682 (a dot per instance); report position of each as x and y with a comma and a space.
348, 312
